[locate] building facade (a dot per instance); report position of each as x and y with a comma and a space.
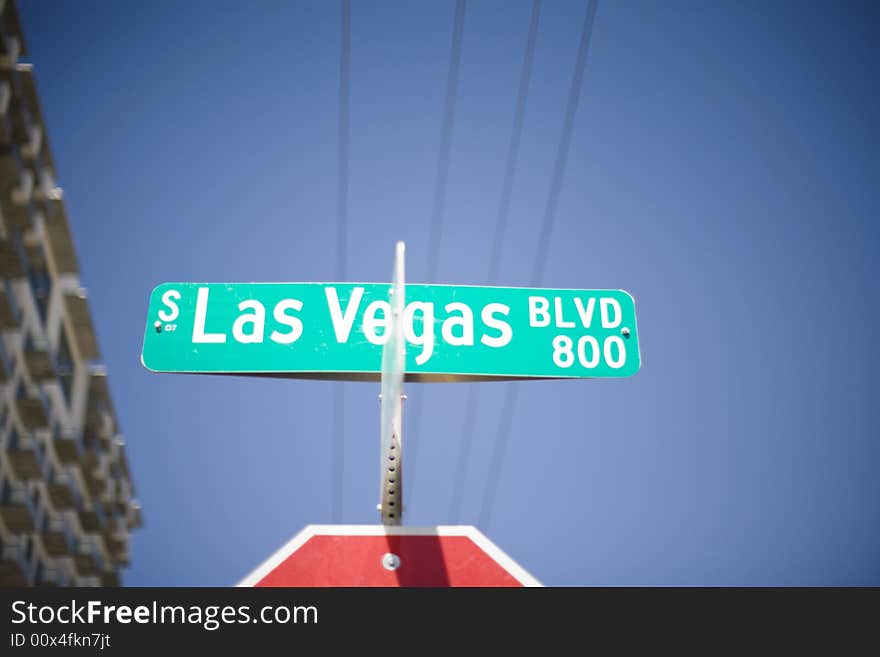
66, 496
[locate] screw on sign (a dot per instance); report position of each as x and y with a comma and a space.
389, 556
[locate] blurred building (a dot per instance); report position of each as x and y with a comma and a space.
66, 495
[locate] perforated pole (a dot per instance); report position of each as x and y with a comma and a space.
393, 369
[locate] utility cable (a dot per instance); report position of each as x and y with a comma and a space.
545, 233
338, 443
473, 398
436, 225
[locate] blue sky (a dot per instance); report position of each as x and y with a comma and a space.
723, 169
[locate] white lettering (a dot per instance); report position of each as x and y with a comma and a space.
173, 311
606, 304
621, 351
586, 314
426, 339
371, 323
342, 323
593, 360
465, 321
539, 306
257, 320
295, 323
199, 335
560, 320
500, 325
562, 354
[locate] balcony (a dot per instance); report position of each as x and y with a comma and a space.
15, 512
89, 521
19, 117
9, 170
8, 319
12, 24
10, 52
110, 579
89, 461
117, 502
81, 326
47, 578
111, 497
123, 464
54, 543
11, 573
84, 564
66, 450
22, 192
29, 91
116, 547
5, 365
93, 478
96, 482
5, 97
16, 185
113, 507
31, 148
135, 515
5, 102
96, 437
16, 199
59, 239
32, 413
14, 39
39, 363
23, 459
99, 408
61, 497
45, 189
10, 260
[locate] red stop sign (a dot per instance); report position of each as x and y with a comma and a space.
378, 555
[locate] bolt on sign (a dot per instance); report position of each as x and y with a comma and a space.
337, 331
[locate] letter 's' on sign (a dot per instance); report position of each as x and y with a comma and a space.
336, 331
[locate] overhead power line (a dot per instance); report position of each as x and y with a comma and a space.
545, 233
437, 208
342, 146
445, 142
473, 399
338, 443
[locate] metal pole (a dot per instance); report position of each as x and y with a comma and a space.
393, 369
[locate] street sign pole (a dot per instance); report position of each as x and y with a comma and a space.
391, 421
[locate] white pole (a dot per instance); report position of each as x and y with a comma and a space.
393, 369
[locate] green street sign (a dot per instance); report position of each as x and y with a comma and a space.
336, 331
